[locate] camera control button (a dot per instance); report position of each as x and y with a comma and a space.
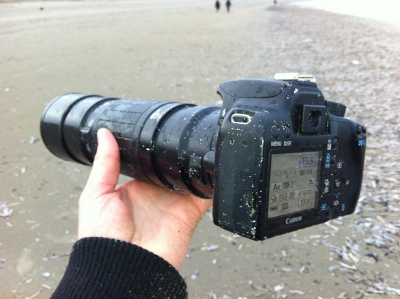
275, 132
337, 184
337, 210
333, 160
345, 183
359, 130
364, 129
334, 143
327, 210
286, 131
327, 188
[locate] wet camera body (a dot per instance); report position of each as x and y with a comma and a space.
277, 157
286, 158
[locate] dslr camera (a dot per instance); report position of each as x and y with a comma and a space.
275, 158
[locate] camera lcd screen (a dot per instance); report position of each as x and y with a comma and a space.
293, 182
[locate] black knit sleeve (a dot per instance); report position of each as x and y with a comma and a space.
107, 268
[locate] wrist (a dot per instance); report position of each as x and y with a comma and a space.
102, 263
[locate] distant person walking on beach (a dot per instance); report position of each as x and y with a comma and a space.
217, 5
228, 5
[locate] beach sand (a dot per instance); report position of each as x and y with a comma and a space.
182, 51
383, 10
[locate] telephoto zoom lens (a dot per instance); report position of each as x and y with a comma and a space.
162, 143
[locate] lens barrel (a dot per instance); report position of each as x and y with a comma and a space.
162, 143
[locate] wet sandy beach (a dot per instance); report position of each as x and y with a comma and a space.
181, 51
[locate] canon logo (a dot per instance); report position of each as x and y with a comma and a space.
295, 219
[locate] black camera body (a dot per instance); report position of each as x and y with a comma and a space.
277, 157
286, 158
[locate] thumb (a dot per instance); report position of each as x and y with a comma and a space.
106, 166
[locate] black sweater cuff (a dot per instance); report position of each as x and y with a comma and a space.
107, 268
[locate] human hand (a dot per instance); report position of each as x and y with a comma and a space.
154, 218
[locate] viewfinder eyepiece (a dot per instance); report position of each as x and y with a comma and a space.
314, 118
